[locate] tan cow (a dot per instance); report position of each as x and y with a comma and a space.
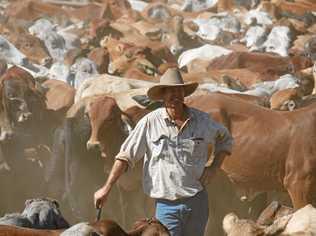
32, 47
31, 10
263, 63
285, 100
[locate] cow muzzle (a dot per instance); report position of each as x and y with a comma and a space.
5, 135
111, 68
47, 61
94, 146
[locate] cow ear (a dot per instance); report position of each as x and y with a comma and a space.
28, 202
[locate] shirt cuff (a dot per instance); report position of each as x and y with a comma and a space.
124, 156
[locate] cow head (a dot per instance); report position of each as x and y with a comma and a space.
174, 36
310, 48
107, 127
133, 57
44, 213
33, 48
118, 7
21, 98
55, 45
10, 53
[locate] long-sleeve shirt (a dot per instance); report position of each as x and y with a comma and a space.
174, 159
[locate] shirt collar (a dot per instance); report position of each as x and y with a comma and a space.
167, 118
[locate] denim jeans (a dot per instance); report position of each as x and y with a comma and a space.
184, 217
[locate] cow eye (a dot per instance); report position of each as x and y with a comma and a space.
28, 45
3, 46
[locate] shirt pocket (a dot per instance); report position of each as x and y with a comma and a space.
194, 150
160, 148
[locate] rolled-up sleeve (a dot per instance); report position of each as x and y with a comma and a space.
134, 147
224, 140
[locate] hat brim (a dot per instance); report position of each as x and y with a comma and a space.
155, 93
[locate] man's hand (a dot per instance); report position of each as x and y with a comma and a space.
207, 175
100, 197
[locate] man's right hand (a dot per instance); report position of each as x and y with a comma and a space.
100, 197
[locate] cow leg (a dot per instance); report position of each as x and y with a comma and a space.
301, 192
55, 168
300, 179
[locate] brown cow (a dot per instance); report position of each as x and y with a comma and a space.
20, 98
9, 230
59, 98
145, 227
85, 147
131, 35
285, 100
172, 34
258, 162
294, 8
32, 47
24, 125
260, 62
31, 10
273, 168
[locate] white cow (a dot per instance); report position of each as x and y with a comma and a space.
263, 89
210, 29
284, 82
300, 223
138, 5
206, 52
108, 84
10, 53
59, 71
57, 40
198, 5
81, 70
279, 41
255, 37
258, 17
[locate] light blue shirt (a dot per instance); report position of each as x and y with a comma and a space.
174, 159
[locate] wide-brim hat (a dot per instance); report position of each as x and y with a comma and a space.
171, 78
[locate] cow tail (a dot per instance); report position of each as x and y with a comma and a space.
68, 131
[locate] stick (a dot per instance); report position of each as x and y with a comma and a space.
99, 211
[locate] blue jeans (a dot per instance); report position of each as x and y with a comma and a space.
184, 217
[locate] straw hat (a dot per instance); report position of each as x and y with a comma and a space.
171, 78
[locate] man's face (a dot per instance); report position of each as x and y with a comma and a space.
173, 97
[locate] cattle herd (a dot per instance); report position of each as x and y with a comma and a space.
74, 77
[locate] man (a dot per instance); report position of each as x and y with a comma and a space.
176, 143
